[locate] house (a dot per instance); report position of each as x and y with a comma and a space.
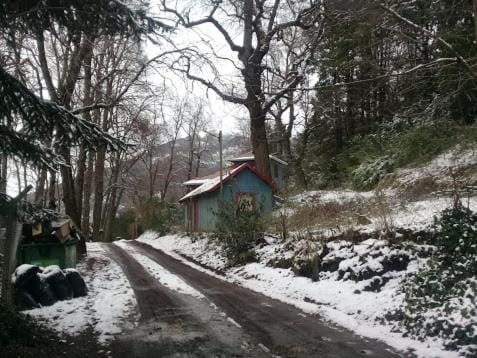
277, 167
241, 183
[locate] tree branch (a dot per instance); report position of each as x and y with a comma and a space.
439, 39
208, 19
208, 84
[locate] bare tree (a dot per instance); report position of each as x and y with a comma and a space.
261, 25
194, 127
174, 129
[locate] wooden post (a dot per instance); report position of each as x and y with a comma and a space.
11, 242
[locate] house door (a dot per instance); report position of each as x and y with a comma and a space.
196, 215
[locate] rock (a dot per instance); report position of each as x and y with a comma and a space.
376, 284
308, 267
362, 220
396, 262
282, 263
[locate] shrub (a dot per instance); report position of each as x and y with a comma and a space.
368, 174
121, 222
159, 215
440, 300
423, 143
238, 230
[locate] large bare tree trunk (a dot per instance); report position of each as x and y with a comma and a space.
3, 183
40, 187
252, 73
83, 154
98, 193
87, 186
115, 198
99, 173
259, 138
10, 246
11, 241
52, 191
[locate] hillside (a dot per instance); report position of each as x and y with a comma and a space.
369, 261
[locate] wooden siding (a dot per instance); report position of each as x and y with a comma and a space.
208, 204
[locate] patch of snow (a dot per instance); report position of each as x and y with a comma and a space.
420, 215
328, 196
110, 300
231, 320
20, 271
439, 168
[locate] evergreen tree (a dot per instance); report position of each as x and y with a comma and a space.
38, 118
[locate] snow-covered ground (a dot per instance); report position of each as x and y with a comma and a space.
399, 213
341, 301
412, 199
106, 309
440, 168
327, 196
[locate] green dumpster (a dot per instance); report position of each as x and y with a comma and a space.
45, 254
49, 243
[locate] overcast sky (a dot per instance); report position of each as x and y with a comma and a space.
222, 114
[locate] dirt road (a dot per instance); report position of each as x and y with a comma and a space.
184, 326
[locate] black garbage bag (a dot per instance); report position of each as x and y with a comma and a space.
23, 274
76, 282
46, 296
25, 300
58, 283
34, 286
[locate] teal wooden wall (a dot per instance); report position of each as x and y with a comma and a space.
244, 182
208, 209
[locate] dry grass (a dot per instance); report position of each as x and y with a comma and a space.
325, 215
337, 216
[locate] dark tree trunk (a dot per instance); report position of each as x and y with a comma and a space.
475, 18
40, 187
114, 199
52, 191
88, 182
259, 139
87, 101
3, 174
98, 192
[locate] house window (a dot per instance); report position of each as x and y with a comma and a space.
246, 201
275, 170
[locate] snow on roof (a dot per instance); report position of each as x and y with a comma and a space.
208, 185
214, 183
197, 181
250, 156
204, 178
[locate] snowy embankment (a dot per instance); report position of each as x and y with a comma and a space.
106, 308
345, 302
